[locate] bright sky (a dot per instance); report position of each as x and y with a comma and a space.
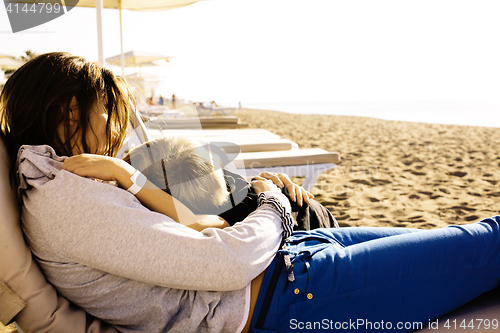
288, 50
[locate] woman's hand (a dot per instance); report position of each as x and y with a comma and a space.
101, 167
297, 193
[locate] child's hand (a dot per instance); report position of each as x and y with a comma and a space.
297, 193
101, 167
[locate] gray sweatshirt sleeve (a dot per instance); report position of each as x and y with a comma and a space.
107, 228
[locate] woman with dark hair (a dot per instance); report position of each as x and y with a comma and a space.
60, 92
122, 262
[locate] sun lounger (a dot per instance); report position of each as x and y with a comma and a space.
226, 122
249, 140
261, 150
248, 133
158, 111
308, 163
245, 146
207, 111
283, 158
197, 120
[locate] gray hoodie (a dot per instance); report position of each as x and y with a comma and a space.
135, 268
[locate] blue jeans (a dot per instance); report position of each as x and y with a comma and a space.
375, 279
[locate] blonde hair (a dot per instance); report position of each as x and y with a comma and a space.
184, 169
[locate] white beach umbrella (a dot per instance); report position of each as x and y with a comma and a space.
137, 5
136, 58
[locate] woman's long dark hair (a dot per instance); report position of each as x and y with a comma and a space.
36, 99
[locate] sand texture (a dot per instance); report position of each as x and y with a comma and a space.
395, 173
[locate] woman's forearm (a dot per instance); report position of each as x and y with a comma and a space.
114, 169
161, 202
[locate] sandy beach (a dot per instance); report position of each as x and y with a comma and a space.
395, 173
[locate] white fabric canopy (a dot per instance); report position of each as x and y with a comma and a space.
136, 58
137, 5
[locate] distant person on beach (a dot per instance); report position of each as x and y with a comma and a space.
160, 100
195, 175
120, 253
174, 98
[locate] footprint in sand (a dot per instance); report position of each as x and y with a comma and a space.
463, 210
444, 190
414, 219
427, 226
456, 173
381, 181
361, 181
342, 216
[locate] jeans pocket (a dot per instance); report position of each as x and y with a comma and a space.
302, 244
313, 264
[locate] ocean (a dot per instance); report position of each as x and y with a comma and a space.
471, 113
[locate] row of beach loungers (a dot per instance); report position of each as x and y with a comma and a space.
203, 110
226, 122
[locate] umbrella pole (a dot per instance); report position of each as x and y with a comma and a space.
122, 56
100, 52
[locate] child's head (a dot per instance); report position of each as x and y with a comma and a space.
182, 168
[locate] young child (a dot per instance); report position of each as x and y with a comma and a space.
183, 168
194, 174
